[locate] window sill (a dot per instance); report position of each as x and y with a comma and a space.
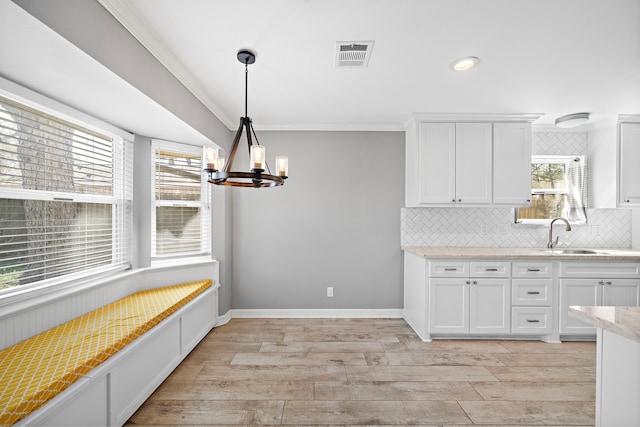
176, 262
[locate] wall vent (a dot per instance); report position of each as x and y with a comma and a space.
353, 54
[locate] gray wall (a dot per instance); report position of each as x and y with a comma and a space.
335, 222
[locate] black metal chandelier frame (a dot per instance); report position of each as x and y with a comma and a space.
257, 178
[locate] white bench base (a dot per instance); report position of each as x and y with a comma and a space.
111, 393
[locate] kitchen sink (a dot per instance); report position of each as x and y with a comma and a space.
574, 251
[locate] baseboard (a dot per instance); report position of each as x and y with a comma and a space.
224, 318
386, 313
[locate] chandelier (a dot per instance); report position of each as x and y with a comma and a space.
221, 173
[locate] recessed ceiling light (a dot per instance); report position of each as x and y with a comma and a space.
464, 64
572, 120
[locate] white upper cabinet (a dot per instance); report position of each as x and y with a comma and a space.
454, 163
468, 162
436, 163
512, 164
628, 161
473, 163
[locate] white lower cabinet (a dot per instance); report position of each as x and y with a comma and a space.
593, 284
593, 292
532, 298
519, 298
479, 303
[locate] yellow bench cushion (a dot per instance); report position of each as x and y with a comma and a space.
34, 371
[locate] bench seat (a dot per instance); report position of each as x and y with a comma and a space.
34, 371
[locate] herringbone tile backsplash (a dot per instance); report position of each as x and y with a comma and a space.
494, 227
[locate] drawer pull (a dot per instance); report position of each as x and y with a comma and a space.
490, 269
450, 269
533, 321
533, 269
608, 283
533, 293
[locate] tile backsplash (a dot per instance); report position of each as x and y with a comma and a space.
494, 227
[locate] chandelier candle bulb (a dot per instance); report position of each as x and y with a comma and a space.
258, 154
219, 164
282, 166
212, 155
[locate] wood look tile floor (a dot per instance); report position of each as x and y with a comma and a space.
371, 372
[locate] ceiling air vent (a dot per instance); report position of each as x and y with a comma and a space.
353, 54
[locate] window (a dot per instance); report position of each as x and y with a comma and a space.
65, 197
181, 214
558, 188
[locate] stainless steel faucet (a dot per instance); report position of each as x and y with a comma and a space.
551, 242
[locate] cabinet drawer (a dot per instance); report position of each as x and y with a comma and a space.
531, 292
600, 270
531, 320
532, 269
489, 269
447, 268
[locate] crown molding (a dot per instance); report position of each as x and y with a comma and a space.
629, 118
334, 127
472, 117
139, 29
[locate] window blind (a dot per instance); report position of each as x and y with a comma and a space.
65, 197
181, 216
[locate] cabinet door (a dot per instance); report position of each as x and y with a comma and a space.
473, 163
578, 292
512, 164
490, 306
448, 306
436, 163
621, 292
629, 156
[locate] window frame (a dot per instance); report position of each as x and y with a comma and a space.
204, 204
120, 198
540, 158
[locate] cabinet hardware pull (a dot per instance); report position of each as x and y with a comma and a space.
491, 269
533, 293
533, 321
450, 269
454, 200
608, 283
533, 269
459, 200
601, 282
475, 282
468, 282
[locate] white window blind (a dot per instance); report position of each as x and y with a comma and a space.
65, 197
181, 215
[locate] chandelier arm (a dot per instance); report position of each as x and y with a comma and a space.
234, 146
248, 127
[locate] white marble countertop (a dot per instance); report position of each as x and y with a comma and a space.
453, 252
623, 321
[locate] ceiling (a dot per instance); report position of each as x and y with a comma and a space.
536, 56
553, 57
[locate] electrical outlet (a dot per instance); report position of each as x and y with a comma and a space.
329, 291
